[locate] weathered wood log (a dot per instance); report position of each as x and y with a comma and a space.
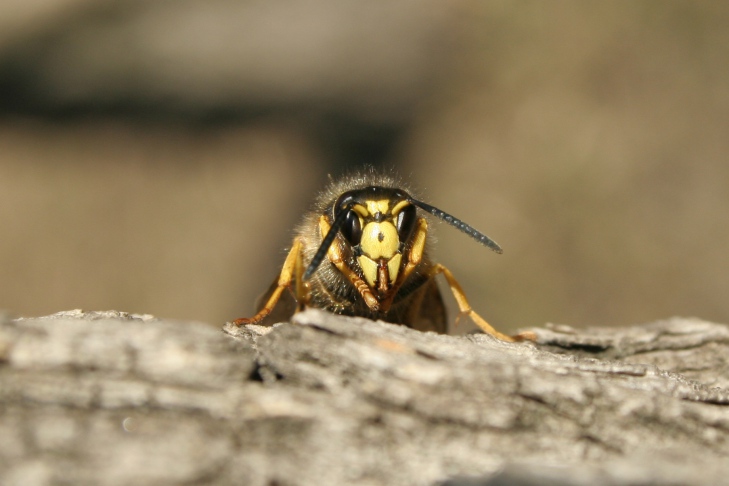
111, 398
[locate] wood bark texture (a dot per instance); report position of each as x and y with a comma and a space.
109, 398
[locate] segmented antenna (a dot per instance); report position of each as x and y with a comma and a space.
326, 242
469, 230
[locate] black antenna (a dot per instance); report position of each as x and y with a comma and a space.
469, 230
327, 242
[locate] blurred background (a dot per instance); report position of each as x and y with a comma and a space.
155, 155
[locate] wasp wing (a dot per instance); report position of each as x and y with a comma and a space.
285, 307
428, 312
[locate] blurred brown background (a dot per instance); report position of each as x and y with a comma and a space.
155, 155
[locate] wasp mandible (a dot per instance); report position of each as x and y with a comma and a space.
363, 251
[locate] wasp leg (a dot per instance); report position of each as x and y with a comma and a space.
465, 308
415, 255
335, 256
290, 271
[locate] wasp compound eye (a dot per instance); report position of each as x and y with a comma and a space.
406, 223
352, 228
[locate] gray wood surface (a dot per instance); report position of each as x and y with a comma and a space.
111, 398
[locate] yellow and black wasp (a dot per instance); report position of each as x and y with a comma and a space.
363, 251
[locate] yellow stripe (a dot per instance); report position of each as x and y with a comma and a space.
399, 207
361, 210
378, 206
369, 270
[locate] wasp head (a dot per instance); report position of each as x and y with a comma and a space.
377, 223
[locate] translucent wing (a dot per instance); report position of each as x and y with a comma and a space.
428, 312
284, 310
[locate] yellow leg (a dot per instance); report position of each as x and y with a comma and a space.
466, 310
416, 249
290, 271
335, 256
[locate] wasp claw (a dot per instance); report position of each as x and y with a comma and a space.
525, 336
244, 321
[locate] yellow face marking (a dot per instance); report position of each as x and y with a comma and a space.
393, 266
361, 210
380, 206
369, 270
379, 240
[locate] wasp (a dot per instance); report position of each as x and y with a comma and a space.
363, 250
